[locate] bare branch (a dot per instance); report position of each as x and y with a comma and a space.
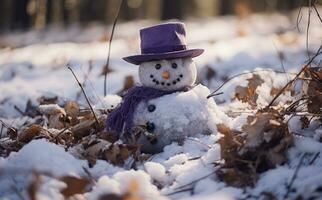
110, 45
87, 100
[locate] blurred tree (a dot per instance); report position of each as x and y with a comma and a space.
19, 16
152, 9
5, 12
22, 14
173, 9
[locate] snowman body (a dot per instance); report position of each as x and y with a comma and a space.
173, 117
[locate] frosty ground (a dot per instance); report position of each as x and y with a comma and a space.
33, 65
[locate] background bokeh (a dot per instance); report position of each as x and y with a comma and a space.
39, 14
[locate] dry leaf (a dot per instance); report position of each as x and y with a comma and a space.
72, 109
262, 146
118, 153
33, 186
248, 94
57, 121
29, 133
74, 185
47, 100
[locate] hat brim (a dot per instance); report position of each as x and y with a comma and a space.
138, 59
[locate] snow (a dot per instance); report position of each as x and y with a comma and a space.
156, 171
36, 68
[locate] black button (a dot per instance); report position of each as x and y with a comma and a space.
157, 66
150, 127
151, 108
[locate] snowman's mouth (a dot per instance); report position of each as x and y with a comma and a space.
167, 83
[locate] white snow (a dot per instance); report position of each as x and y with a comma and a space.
37, 68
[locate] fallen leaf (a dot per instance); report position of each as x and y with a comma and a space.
29, 133
74, 185
248, 93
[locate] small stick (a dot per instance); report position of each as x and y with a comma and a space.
90, 67
317, 12
179, 191
314, 158
110, 45
195, 181
18, 109
294, 176
87, 100
1, 131
214, 93
61, 132
291, 81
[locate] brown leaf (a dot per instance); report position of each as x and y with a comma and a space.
93, 149
12, 132
57, 121
33, 186
74, 185
106, 70
235, 177
230, 144
72, 109
313, 90
305, 122
262, 146
83, 128
47, 100
29, 133
118, 153
119, 197
248, 94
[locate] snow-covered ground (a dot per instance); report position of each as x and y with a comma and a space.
37, 67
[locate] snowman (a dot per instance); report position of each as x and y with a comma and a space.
168, 103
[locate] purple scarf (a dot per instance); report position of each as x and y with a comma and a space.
122, 116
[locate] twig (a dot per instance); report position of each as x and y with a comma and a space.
291, 81
18, 109
90, 67
281, 57
308, 28
314, 158
18, 193
299, 17
110, 45
195, 181
4, 124
214, 93
90, 176
89, 104
1, 131
294, 176
317, 12
179, 191
199, 142
61, 132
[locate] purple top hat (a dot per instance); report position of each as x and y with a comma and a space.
163, 41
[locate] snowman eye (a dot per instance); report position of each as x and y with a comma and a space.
174, 65
157, 66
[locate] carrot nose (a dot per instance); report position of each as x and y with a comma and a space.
165, 75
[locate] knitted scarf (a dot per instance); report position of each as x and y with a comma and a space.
121, 118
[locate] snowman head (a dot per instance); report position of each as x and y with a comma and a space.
170, 74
